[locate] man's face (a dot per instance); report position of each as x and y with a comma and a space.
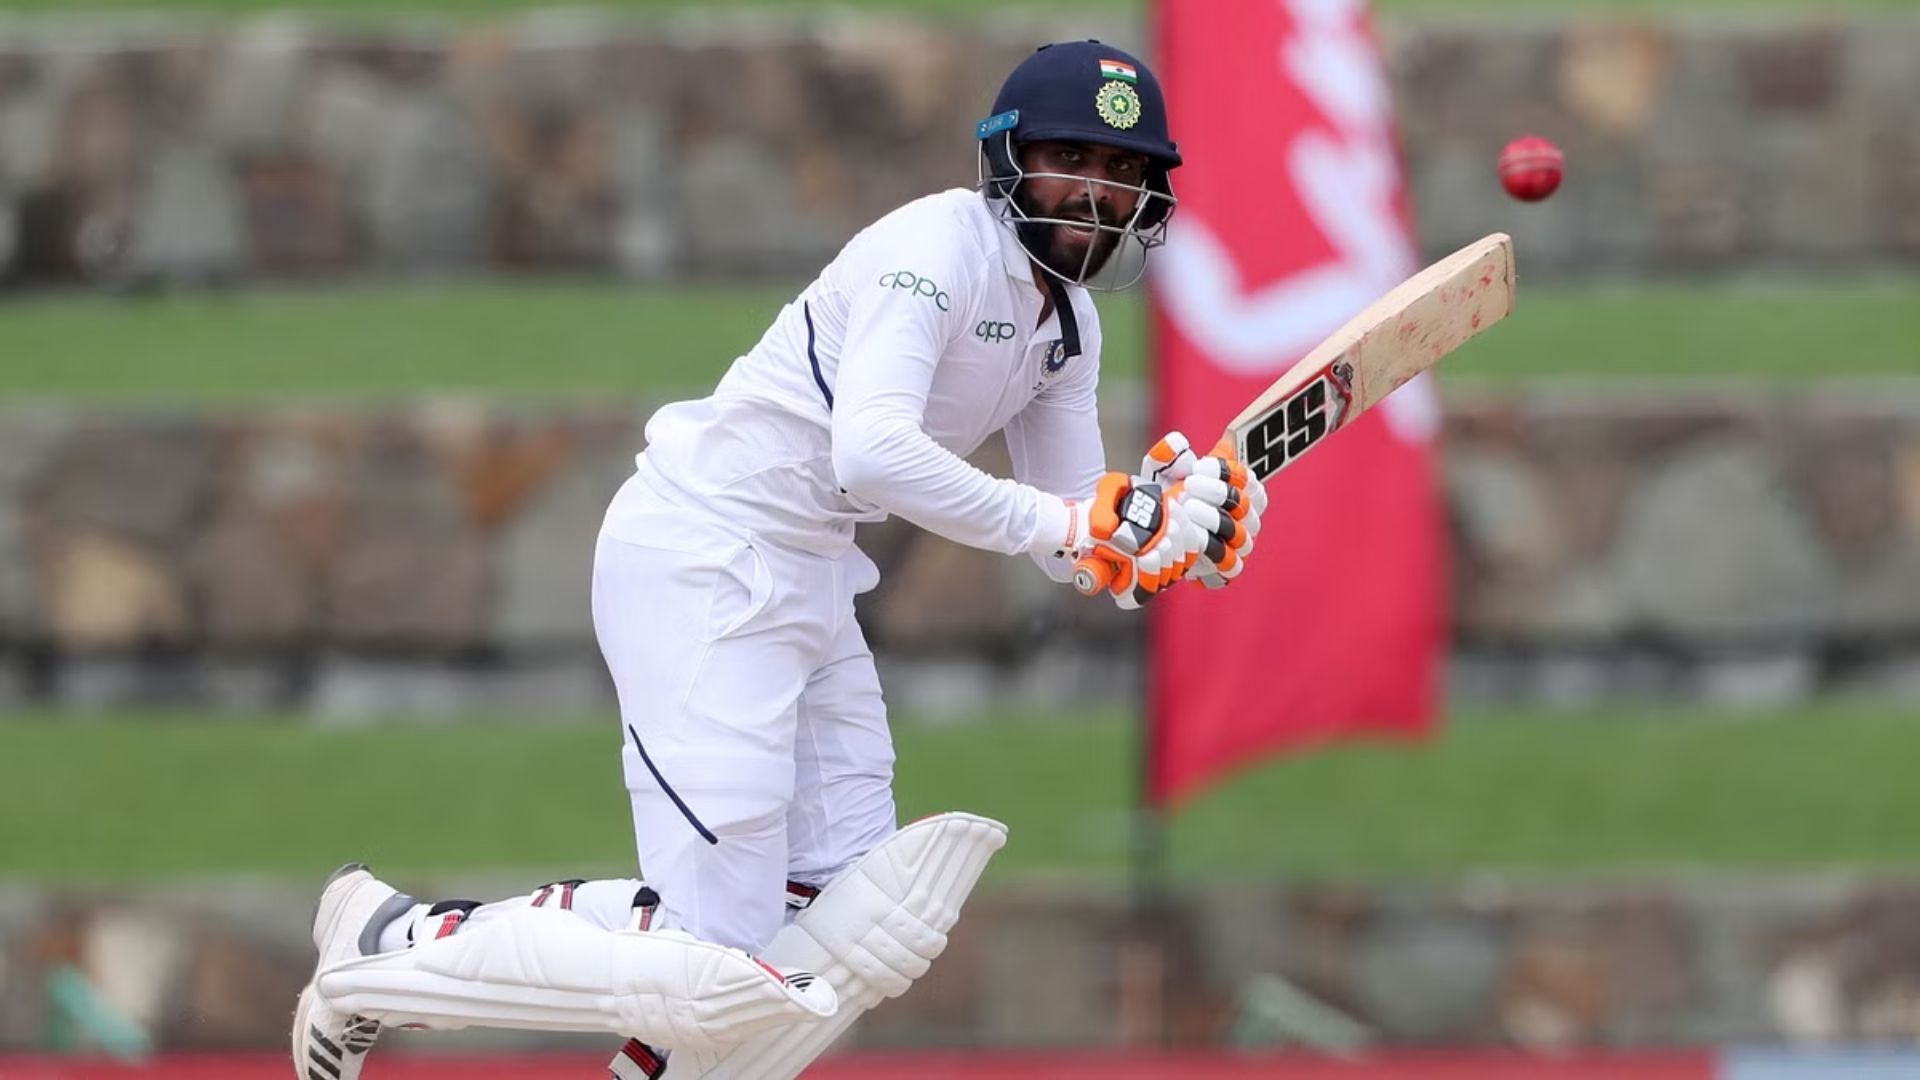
1064, 249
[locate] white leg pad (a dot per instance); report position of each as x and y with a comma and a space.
540, 968
871, 933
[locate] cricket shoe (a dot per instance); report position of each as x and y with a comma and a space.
354, 907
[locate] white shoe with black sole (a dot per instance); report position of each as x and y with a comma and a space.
354, 907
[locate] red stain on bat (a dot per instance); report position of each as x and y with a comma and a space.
1476, 320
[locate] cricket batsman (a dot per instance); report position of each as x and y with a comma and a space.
781, 899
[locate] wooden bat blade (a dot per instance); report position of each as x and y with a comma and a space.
1410, 329
1400, 335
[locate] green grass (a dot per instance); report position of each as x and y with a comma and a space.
590, 340
1623, 792
1767, 331
545, 339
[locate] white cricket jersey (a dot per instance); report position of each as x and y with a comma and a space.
919, 340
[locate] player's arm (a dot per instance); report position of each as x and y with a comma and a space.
894, 339
881, 452
1055, 442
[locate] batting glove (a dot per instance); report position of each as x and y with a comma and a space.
1233, 503
1140, 534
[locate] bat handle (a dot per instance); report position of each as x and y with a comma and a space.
1092, 575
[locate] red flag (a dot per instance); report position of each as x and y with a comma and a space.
1292, 218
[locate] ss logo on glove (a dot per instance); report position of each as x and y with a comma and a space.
1143, 510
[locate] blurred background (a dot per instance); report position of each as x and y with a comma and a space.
327, 330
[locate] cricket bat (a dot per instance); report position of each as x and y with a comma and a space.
1410, 329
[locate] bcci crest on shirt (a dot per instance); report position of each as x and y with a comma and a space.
1055, 358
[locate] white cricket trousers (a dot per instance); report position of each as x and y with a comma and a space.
756, 749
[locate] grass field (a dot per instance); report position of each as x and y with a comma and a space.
1617, 793
590, 340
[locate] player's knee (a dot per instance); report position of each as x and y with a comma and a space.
710, 811
748, 816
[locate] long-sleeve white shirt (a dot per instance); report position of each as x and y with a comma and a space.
917, 342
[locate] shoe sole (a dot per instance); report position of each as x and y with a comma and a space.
301, 1065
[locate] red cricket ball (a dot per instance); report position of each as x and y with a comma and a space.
1530, 168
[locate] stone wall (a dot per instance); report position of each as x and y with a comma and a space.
133, 149
1736, 546
1484, 962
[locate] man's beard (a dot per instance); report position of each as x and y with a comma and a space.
1048, 245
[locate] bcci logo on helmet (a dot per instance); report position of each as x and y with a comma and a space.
1118, 104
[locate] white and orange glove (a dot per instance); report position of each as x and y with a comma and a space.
1130, 540
1140, 534
1229, 504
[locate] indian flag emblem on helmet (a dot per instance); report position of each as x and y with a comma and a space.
1118, 69
1118, 104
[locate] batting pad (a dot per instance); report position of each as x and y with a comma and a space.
870, 933
546, 969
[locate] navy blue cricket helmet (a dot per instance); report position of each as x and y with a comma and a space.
1088, 92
